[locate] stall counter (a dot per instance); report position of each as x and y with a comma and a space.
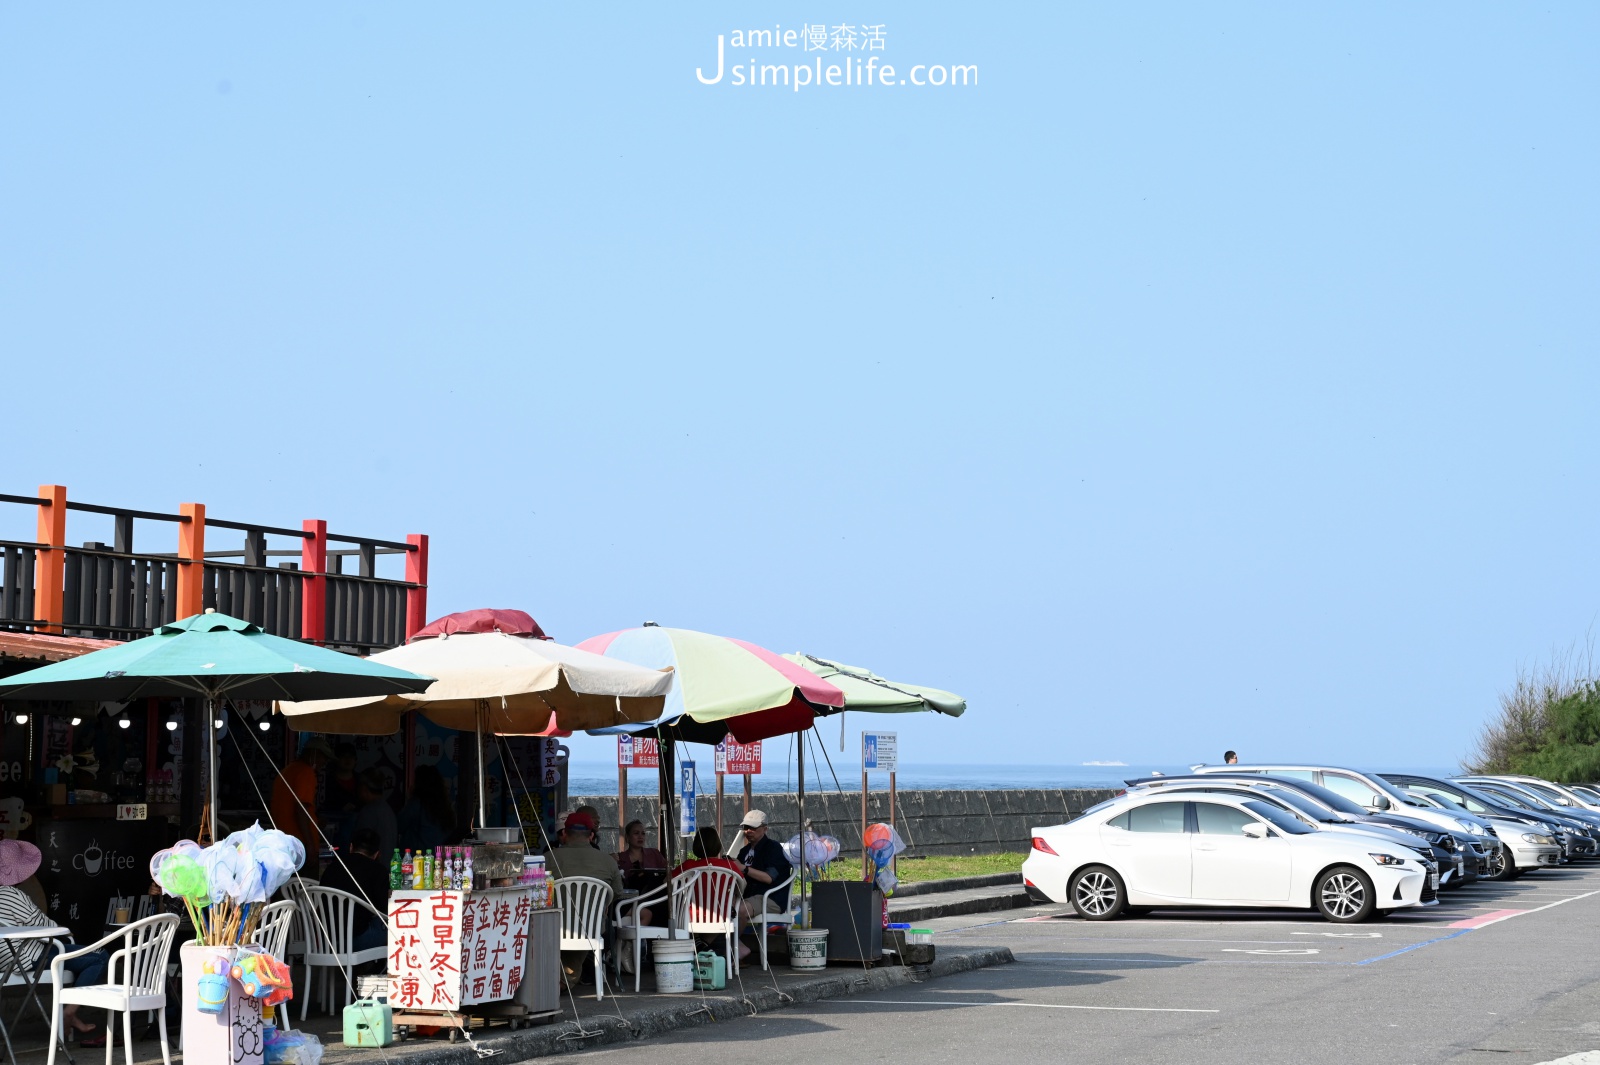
454, 949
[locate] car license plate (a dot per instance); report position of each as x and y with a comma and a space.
1461, 867
1433, 881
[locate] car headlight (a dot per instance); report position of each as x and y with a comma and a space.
1532, 837
1469, 828
1386, 859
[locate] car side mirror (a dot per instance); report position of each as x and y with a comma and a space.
1381, 802
1255, 830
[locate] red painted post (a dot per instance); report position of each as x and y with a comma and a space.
191, 560
416, 573
50, 566
314, 589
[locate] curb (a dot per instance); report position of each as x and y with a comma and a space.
931, 911
958, 883
690, 1012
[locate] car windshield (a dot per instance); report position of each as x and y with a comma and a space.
1511, 798
1306, 806
1282, 819
1544, 792
1533, 801
1331, 799
1443, 800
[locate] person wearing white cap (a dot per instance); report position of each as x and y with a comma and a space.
19, 860
763, 864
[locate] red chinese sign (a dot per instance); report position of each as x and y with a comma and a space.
637, 752
425, 950
448, 950
494, 942
738, 758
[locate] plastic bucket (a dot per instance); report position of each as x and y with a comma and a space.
808, 948
674, 959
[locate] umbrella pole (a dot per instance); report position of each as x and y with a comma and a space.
483, 786
800, 753
211, 759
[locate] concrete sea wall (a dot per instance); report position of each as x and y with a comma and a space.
930, 822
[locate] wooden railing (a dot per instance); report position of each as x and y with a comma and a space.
116, 593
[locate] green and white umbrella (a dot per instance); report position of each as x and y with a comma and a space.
865, 690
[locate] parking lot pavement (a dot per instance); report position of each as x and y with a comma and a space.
1506, 973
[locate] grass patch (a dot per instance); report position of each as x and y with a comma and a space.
936, 867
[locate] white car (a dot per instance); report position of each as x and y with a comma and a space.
1153, 850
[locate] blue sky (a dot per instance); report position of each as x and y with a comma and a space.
1206, 376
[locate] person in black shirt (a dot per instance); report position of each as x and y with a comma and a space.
763, 863
367, 878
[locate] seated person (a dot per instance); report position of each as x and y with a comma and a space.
19, 861
363, 874
764, 864
643, 868
636, 859
578, 857
706, 849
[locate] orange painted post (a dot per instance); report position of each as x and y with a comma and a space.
416, 573
50, 566
191, 560
314, 589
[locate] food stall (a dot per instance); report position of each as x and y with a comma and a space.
486, 947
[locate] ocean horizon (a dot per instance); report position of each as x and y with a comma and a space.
598, 778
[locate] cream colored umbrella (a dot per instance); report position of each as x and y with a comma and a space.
504, 682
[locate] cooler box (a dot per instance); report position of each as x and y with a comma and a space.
852, 912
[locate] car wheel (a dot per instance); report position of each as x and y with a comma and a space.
1097, 893
1345, 895
1501, 865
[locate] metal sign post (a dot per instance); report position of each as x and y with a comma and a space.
879, 751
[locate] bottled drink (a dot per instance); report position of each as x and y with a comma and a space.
456, 864
466, 870
394, 870
406, 871
428, 875
441, 876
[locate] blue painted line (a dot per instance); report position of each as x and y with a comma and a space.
1415, 946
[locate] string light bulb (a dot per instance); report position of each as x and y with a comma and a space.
266, 726
22, 719
124, 722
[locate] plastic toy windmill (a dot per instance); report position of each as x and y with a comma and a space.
882, 843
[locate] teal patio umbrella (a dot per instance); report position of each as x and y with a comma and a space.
215, 656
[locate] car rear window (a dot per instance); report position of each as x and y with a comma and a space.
1156, 817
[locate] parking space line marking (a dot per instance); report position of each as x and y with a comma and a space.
1488, 918
1033, 1005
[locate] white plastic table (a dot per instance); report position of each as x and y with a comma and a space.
11, 965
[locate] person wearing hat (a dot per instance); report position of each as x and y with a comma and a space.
294, 796
763, 863
19, 860
578, 857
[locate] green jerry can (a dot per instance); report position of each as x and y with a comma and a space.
710, 971
368, 1023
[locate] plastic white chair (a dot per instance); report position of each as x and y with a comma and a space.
584, 903
329, 919
629, 928
762, 920
136, 981
295, 891
713, 906
272, 936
